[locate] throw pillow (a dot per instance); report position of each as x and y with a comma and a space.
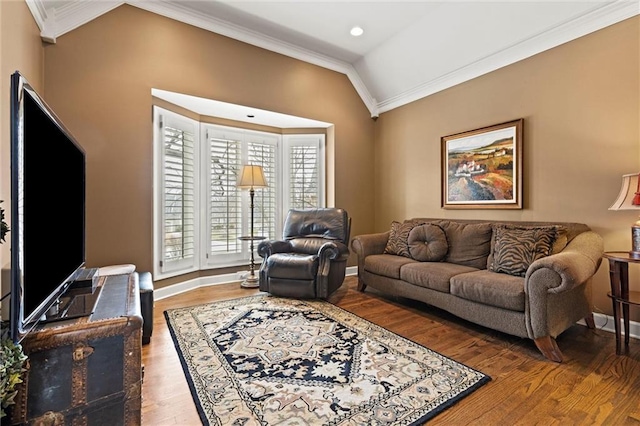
427, 243
516, 247
469, 243
398, 238
559, 244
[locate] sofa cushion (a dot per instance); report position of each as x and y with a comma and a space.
433, 275
517, 247
490, 288
469, 243
387, 265
427, 243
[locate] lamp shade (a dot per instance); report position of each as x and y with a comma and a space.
629, 197
251, 177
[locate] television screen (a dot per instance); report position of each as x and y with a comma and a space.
48, 207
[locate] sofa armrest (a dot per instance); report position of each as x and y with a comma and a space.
574, 265
556, 286
368, 244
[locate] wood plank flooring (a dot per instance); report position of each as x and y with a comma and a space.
593, 386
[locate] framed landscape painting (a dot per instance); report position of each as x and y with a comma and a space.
482, 168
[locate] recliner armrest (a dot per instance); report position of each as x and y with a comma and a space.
333, 250
269, 247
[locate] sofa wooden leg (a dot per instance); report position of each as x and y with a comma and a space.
549, 348
361, 285
591, 323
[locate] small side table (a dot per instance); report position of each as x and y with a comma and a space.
620, 294
252, 280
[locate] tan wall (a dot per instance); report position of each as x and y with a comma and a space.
580, 104
98, 79
20, 49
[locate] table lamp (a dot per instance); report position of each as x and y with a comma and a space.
629, 199
250, 178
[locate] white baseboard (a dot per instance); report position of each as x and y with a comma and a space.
603, 322
606, 323
172, 290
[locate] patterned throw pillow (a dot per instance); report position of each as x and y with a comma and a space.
428, 243
518, 247
398, 238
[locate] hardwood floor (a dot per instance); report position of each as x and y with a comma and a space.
592, 386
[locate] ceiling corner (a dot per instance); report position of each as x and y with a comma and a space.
67, 17
38, 11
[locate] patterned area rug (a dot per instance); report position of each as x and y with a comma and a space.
274, 361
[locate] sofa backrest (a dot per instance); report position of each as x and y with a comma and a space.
573, 228
470, 241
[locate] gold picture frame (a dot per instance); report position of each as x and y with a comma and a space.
482, 168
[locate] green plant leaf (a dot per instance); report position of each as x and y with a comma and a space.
12, 360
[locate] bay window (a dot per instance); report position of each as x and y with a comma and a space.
199, 213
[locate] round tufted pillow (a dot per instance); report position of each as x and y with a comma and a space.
428, 243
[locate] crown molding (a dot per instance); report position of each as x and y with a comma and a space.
68, 16
595, 19
74, 14
180, 13
38, 11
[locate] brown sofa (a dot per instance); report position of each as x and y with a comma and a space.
528, 279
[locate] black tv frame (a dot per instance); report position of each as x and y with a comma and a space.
55, 303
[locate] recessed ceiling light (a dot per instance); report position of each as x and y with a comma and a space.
357, 31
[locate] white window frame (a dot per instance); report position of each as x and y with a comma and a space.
162, 118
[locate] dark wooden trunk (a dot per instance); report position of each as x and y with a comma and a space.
87, 371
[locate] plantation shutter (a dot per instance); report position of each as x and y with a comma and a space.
178, 182
265, 209
305, 172
225, 203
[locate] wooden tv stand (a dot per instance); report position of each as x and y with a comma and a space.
87, 370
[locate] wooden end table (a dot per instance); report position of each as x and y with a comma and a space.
620, 295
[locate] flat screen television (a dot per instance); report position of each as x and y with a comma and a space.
47, 209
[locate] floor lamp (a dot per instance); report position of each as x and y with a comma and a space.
251, 177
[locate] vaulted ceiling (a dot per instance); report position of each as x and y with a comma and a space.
409, 49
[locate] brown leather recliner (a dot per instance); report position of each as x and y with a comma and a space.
311, 259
